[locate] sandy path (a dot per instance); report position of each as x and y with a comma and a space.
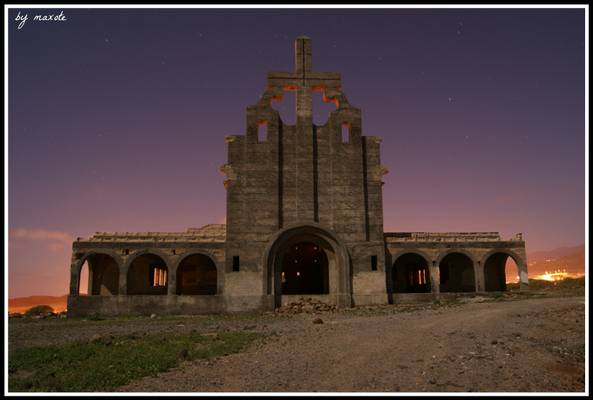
527, 345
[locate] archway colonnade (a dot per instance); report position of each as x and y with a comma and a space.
145, 272
454, 270
150, 272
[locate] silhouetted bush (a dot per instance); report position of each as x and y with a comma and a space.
41, 310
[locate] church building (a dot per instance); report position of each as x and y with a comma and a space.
304, 219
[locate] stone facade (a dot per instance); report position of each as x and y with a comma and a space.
304, 218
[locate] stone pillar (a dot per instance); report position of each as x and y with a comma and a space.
479, 277
435, 279
171, 281
123, 280
523, 276
74, 278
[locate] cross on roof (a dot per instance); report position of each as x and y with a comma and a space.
303, 79
303, 57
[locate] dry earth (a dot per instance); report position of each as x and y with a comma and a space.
530, 345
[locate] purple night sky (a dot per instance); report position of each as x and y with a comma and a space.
117, 119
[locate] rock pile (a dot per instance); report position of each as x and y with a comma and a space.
305, 305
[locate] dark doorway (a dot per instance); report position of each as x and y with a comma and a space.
411, 274
304, 270
495, 276
196, 275
457, 273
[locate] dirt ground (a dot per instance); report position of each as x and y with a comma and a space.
527, 345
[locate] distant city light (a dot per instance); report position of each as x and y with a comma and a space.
557, 275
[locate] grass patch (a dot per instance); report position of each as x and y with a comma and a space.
106, 363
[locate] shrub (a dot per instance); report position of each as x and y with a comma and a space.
39, 310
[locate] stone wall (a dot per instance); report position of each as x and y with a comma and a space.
305, 175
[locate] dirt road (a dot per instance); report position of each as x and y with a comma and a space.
534, 345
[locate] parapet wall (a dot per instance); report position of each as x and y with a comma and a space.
213, 233
391, 237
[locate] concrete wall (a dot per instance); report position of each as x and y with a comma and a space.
306, 175
80, 306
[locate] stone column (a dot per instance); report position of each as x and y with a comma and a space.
435, 280
123, 280
171, 281
479, 276
74, 278
523, 276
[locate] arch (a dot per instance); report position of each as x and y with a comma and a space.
130, 259
83, 280
147, 273
468, 254
421, 253
340, 269
411, 273
457, 270
494, 265
103, 273
516, 257
196, 274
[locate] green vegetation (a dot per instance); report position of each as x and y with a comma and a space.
105, 363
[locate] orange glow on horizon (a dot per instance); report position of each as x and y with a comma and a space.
557, 275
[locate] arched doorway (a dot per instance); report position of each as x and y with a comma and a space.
330, 276
457, 273
304, 269
147, 274
196, 275
411, 274
100, 273
499, 269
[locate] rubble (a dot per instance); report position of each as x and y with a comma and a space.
306, 305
